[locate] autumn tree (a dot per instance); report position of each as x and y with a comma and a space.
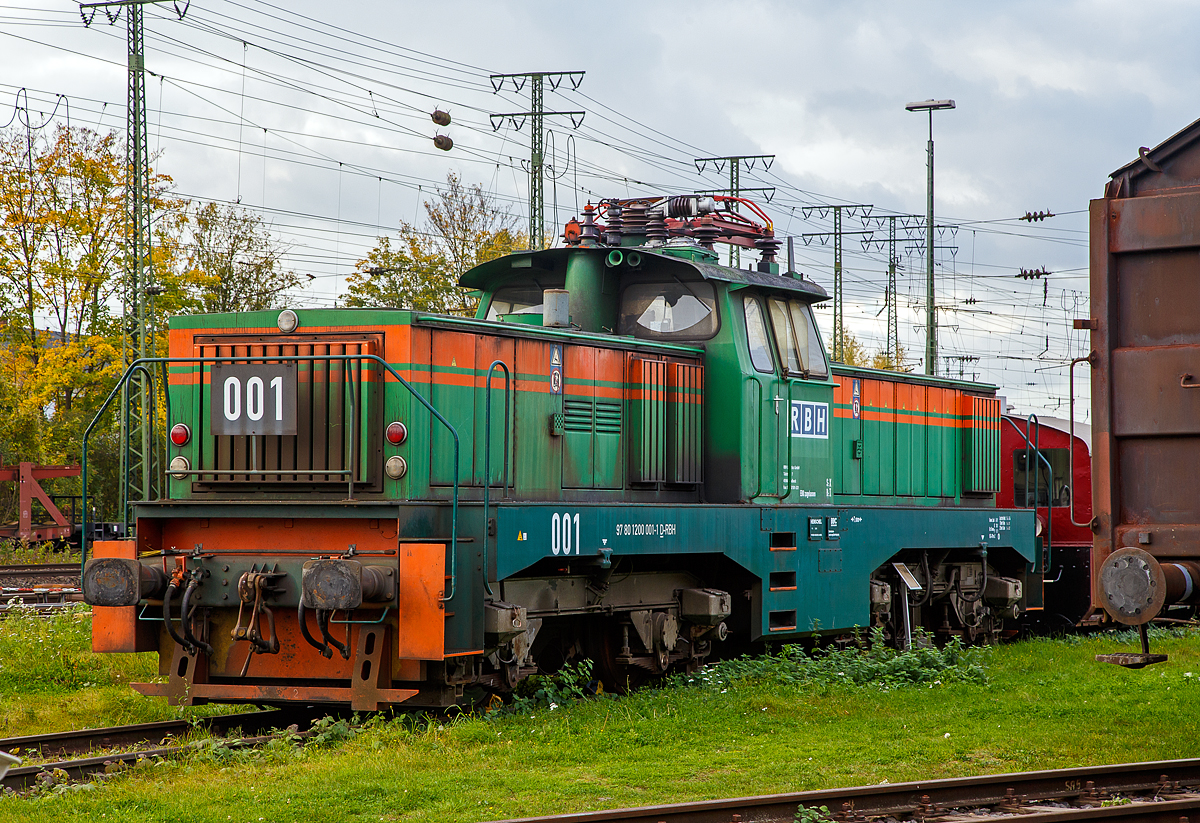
234, 263
63, 232
853, 352
885, 360
463, 227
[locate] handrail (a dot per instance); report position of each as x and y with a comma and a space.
1071, 447
1037, 434
139, 365
487, 455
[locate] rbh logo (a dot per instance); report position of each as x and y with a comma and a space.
810, 419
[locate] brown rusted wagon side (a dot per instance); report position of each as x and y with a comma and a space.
1145, 365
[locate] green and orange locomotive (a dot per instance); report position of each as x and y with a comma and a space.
632, 453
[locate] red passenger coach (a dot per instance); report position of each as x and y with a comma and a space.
1059, 484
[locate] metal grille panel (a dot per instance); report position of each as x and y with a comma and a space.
337, 414
981, 446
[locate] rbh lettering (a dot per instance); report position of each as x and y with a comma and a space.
810, 419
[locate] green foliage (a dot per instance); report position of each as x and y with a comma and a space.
874, 664
853, 353
234, 262
17, 552
1046, 704
814, 814
573, 681
463, 228
55, 652
888, 361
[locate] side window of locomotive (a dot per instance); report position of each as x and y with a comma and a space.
756, 335
1052, 483
807, 340
669, 311
785, 338
523, 298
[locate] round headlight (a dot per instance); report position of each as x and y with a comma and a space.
179, 467
395, 467
396, 433
180, 434
288, 321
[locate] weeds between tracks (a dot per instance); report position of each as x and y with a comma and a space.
762, 725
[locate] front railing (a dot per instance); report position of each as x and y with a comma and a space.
143, 368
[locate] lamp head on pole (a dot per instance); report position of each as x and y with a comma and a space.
930, 105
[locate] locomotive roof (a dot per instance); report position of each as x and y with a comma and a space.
1082, 430
486, 274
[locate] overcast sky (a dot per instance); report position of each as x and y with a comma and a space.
316, 115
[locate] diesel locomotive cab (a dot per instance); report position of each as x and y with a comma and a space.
631, 453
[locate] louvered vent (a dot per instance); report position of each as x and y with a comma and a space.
329, 440
981, 444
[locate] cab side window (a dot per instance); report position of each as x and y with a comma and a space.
785, 338
756, 335
812, 359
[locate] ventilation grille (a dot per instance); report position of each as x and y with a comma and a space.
337, 409
577, 415
608, 417
981, 447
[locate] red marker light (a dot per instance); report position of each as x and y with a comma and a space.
180, 434
396, 433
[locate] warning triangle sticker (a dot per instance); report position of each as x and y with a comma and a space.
555, 359
453, 362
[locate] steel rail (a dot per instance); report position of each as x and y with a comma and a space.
1171, 785
61, 744
24, 570
24, 777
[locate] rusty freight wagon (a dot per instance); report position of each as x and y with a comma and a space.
631, 453
1145, 368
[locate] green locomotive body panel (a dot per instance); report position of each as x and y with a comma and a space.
685, 434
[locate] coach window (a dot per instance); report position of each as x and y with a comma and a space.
1053, 484
756, 335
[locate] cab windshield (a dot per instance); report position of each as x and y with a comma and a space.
675, 310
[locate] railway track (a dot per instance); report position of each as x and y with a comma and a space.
1165, 791
24, 571
47, 587
63, 744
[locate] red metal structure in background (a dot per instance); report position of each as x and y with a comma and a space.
1068, 585
26, 476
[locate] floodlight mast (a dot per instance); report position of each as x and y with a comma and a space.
931, 347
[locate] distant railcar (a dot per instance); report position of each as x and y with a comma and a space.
632, 453
1058, 484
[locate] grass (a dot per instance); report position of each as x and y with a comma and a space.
17, 552
51, 681
749, 727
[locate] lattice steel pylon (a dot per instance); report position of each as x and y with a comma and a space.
140, 460
735, 184
893, 321
857, 209
537, 145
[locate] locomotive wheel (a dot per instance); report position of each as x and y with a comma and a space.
603, 646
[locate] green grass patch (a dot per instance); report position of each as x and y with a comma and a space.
18, 552
754, 726
51, 680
